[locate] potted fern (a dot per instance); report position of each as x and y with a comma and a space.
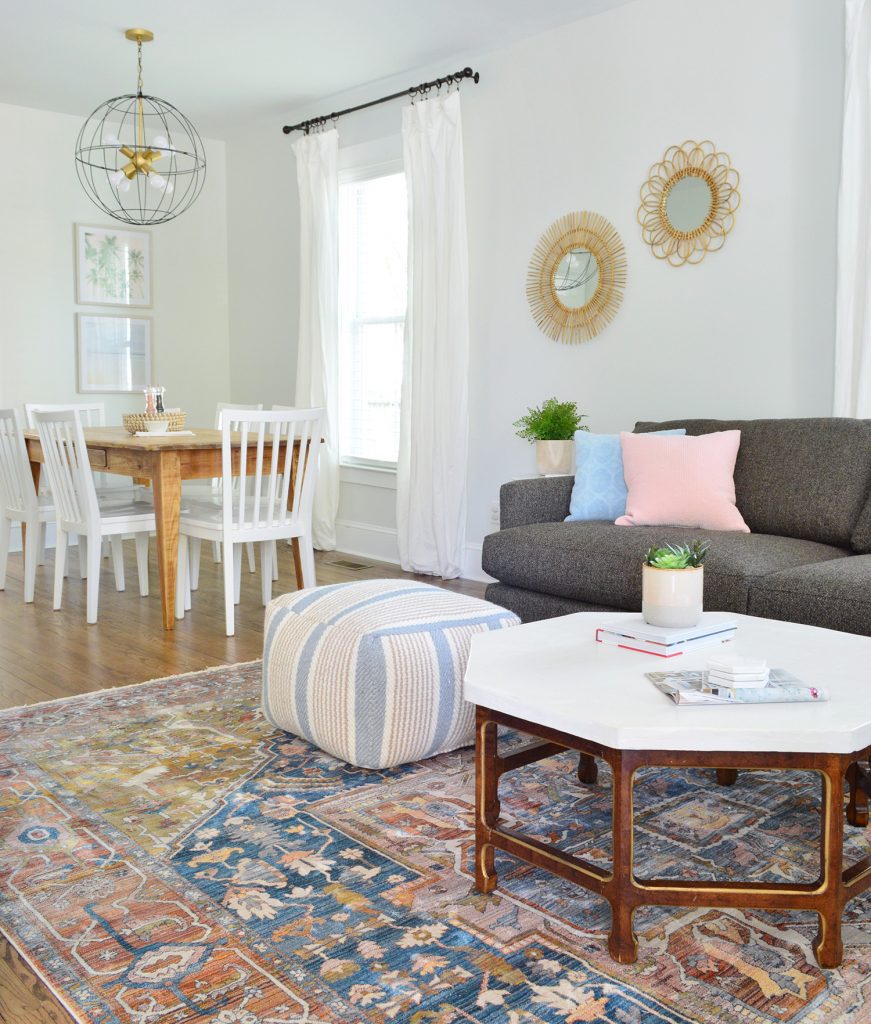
672, 584
551, 426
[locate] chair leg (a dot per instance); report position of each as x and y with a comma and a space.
95, 559
195, 546
216, 552
60, 559
141, 541
252, 564
229, 587
236, 562
117, 548
307, 557
274, 560
5, 531
31, 557
82, 548
267, 554
181, 578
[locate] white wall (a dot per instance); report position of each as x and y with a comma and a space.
41, 201
571, 120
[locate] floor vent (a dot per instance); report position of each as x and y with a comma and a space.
346, 563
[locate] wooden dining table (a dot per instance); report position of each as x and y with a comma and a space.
164, 461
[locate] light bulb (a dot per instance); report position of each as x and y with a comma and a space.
159, 142
111, 139
120, 181
160, 183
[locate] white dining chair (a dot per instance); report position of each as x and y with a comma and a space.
19, 502
262, 509
198, 492
80, 511
91, 414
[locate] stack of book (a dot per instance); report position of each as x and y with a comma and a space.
667, 642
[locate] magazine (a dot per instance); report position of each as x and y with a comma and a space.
693, 687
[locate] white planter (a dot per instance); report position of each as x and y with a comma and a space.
672, 597
555, 458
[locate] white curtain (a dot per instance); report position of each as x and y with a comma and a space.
317, 362
433, 448
853, 328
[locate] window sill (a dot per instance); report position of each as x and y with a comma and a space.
368, 476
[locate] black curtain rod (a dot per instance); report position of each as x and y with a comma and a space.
424, 87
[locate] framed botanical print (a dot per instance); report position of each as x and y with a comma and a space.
114, 353
113, 266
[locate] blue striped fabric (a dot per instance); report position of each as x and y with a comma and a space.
372, 672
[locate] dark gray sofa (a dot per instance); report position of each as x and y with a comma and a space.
803, 487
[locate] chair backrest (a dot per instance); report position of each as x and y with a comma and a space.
221, 406
69, 471
17, 492
91, 414
285, 446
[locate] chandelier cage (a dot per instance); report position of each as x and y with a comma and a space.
139, 158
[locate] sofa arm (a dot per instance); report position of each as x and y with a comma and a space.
544, 499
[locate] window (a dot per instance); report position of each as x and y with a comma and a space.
373, 286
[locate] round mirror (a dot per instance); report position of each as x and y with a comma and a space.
576, 278
688, 204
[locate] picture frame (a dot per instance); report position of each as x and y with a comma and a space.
114, 353
113, 266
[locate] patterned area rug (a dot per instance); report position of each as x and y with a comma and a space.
166, 857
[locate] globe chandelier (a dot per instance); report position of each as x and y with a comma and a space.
138, 158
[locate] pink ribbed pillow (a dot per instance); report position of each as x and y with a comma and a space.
681, 481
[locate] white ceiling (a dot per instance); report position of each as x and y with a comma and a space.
223, 60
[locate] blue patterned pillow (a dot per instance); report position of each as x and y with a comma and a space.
600, 490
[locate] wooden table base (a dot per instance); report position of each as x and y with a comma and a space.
621, 886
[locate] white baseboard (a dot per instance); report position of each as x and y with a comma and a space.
50, 537
472, 565
365, 540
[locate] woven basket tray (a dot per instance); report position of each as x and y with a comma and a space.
136, 421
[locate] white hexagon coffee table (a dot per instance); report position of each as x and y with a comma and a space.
552, 681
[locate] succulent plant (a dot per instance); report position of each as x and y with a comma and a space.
677, 556
551, 421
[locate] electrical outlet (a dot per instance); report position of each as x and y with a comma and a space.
494, 514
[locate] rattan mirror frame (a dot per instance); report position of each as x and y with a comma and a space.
598, 235
702, 160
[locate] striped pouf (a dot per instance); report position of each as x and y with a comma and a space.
372, 672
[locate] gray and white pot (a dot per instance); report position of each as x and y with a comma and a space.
672, 597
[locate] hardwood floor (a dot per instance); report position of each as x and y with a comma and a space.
46, 654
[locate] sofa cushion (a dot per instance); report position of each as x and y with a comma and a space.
600, 486
807, 478
834, 594
681, 481
600, 563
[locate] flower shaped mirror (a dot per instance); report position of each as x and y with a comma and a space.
688, 203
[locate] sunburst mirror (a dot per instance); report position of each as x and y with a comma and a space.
576, 277
688, 202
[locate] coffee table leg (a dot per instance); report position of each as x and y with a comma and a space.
727, 776
486, 802
857, 807
621, 942
588, 770
829, 947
